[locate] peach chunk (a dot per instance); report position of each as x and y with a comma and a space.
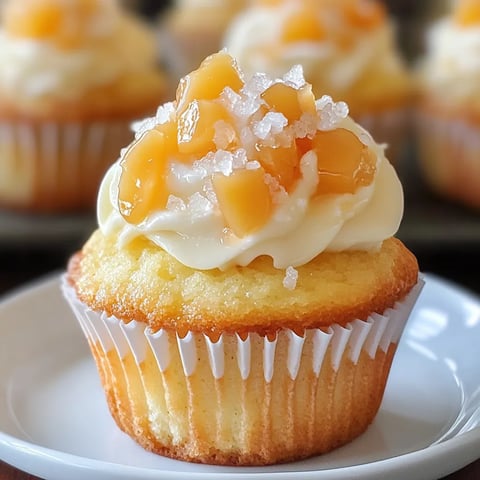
303, 26
196, 127
32, 18
344, 162
142, 186
467, 13
281, 163
290, 101
207, 83
169, 131
244, 200
366, 14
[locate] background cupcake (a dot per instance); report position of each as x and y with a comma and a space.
243, 297
347, 50
194, 29
449, 107
73, 76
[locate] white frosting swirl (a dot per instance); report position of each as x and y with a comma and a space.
254, 39
451, 67
34, 68
192, 228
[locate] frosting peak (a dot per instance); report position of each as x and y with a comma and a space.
235, 169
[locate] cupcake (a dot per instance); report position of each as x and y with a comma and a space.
193, 29
448, 123
73, 76
243, 295
347, 49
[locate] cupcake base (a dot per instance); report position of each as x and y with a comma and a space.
57, 167
243, 400
449, 152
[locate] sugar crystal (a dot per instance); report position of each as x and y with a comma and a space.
224, 134
290, 279
239, 158
199, 204
272, 122
165, 112
252, 165
142, 126
175, 204
223, 162
330, 114
256, 85
295, 77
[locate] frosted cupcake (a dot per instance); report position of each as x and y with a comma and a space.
449, 110
347, 49
244, 296
194, 29
73, 75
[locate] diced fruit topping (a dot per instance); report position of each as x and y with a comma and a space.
367, 14
282, 163
207, 83
344, 162
290, 101
467, 13
64, 22
32, 19
303, 25
244, 200
142, 187
258, 163
196, 126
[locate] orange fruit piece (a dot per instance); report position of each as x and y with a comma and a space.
142, 186
290, 101
304, 25
32, 18
344, 162
196, 127
467, 13
366, 14
169, 131
244, 200
281, 163
207, 83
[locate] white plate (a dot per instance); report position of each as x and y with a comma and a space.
54, 421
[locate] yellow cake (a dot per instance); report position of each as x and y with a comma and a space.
243, 296
347, 49
74, 75
448, 124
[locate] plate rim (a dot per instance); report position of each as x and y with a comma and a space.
465, 445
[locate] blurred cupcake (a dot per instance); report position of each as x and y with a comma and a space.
449, 109
347, 50
73, 75
244, 296
194, 29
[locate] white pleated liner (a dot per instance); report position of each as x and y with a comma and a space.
377, 332
39, 160
449, 149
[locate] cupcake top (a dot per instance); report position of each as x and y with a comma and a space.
236, 168
346, 47
59, 49
451, 67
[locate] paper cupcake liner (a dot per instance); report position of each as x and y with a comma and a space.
249, 400
377, 332
390, 127
448, 154
56, 167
